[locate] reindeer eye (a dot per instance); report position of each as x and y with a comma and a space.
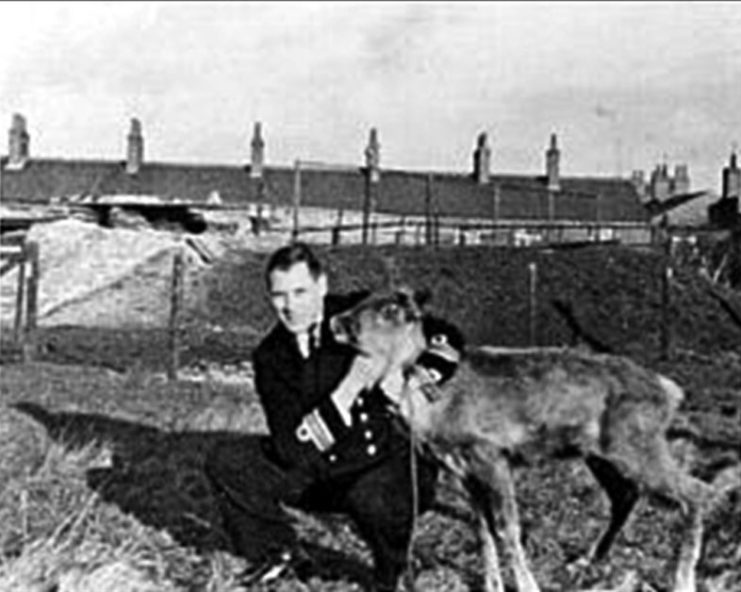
439, 339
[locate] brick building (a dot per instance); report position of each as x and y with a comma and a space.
482, 195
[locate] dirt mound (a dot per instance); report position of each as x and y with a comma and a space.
23, 444
109, 277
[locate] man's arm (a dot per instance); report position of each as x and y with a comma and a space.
363, 374
301, 437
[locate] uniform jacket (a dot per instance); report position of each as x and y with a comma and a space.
307, 431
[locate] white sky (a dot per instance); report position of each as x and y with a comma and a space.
624, 84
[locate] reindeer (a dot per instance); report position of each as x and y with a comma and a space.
505, 407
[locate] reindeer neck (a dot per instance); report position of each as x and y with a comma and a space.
411, 348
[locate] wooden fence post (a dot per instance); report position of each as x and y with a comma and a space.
400, 231
337, 230
32, 310
533, 300
32, 299
370, 198
461, 236
496, 203
428, 211
176, 298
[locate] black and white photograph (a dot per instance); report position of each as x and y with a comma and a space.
412, 296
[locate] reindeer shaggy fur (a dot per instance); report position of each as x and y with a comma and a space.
508, 407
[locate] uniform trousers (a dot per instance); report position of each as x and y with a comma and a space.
251, 487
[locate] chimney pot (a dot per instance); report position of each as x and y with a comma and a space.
552, 157
18, 142
257, 157
732, 178
373, 156
681, 183
482, 159
135, 148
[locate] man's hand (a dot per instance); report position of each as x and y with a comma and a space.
393, 385
364, 373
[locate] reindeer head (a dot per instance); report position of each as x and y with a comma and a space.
386, 325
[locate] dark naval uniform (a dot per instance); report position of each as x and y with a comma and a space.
315, 461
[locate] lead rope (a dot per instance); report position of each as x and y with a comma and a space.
415, 499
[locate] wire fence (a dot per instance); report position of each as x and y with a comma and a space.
680, 246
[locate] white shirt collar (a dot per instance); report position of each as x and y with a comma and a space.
302, 339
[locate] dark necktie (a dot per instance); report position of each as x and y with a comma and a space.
313, 339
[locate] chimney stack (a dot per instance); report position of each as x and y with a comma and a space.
681, 183
373, 156
638, 179
482, 160
135, 148
257, 154
660, 183
18, 143
552, 157
732, 178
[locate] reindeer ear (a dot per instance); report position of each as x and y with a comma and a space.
422, 297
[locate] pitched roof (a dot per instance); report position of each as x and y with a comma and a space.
656, 207
399, 192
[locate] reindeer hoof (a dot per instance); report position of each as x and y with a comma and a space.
630, 583
579, 564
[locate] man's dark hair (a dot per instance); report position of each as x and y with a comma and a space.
288, 256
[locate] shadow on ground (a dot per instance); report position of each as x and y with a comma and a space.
158, 477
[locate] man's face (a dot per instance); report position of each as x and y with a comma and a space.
297, 296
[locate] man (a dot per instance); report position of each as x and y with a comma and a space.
334, 443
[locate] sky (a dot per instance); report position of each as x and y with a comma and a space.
625, 85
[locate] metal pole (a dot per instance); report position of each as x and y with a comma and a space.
533, 285
366, 207
667, 327
428, 210
497, 201
495, 213
260, 200
296, 199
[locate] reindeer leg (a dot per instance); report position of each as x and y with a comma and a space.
689, 552
511, 533
660, 474
623, 494
492, 482
484, 502
492, 572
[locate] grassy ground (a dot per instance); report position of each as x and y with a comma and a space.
118, 480
101, 482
